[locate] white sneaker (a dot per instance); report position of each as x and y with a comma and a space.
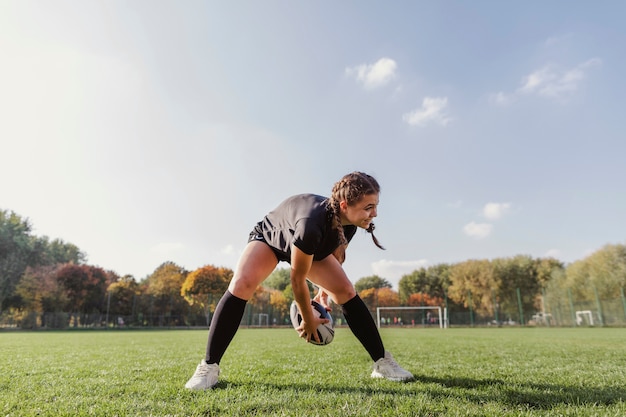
387, 367
205, 376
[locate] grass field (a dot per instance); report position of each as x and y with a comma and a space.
270, 372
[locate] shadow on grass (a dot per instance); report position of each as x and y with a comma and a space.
530, 395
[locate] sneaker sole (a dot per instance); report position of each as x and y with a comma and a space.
396, 379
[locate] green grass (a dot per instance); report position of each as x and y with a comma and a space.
459, 372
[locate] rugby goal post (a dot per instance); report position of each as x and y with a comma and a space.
443, 313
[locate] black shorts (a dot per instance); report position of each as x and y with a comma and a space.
256, 235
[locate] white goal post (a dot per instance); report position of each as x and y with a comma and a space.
580, 317
443, 317
261, 316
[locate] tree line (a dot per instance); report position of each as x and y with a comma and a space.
39, 275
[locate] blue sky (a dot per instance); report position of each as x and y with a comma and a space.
149, 131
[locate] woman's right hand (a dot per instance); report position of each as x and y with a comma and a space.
308, 328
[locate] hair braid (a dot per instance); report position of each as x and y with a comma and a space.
351, 188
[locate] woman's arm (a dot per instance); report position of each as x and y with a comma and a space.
300, 266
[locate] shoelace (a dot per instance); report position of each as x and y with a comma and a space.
392, 364
203, 370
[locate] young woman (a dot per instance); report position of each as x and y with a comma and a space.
311, 233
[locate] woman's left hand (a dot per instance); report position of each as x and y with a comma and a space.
322, 298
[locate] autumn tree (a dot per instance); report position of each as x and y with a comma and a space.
123, 293
85, 288
205, 285
260, 300
280, 303
41, 293
40, 290
379, 297
420, 299
164, 285
369, 298
472, 283
387, 297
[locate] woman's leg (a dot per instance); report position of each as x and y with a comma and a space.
329, 275
255, 264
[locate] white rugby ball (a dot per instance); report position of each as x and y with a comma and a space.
325, 332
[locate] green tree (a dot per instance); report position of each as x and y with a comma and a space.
603, 271
279, 279
608, 270
373, 281
16, 253
19, 249
433, 281
512, 274
54, 252
414, 283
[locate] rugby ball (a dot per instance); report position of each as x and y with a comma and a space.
325, 332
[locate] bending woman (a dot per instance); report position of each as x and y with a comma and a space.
310, 232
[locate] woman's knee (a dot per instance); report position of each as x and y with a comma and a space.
243, 286
345, 294
341, 293
255, 264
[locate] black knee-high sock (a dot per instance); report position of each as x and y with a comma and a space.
224, 325
363, 326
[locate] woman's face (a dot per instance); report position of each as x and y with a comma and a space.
360, 213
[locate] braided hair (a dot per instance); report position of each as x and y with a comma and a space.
351, 188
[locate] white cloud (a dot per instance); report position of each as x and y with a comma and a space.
553, 253
552, 83
495, 211
392, 271
501, 99
534, 80
555, 41
374, 75
432, 110
477, 230
549, 82
228, 250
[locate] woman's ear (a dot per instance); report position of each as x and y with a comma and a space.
343, 205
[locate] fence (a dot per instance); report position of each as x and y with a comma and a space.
151, 312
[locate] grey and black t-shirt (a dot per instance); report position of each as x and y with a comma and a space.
305, 221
